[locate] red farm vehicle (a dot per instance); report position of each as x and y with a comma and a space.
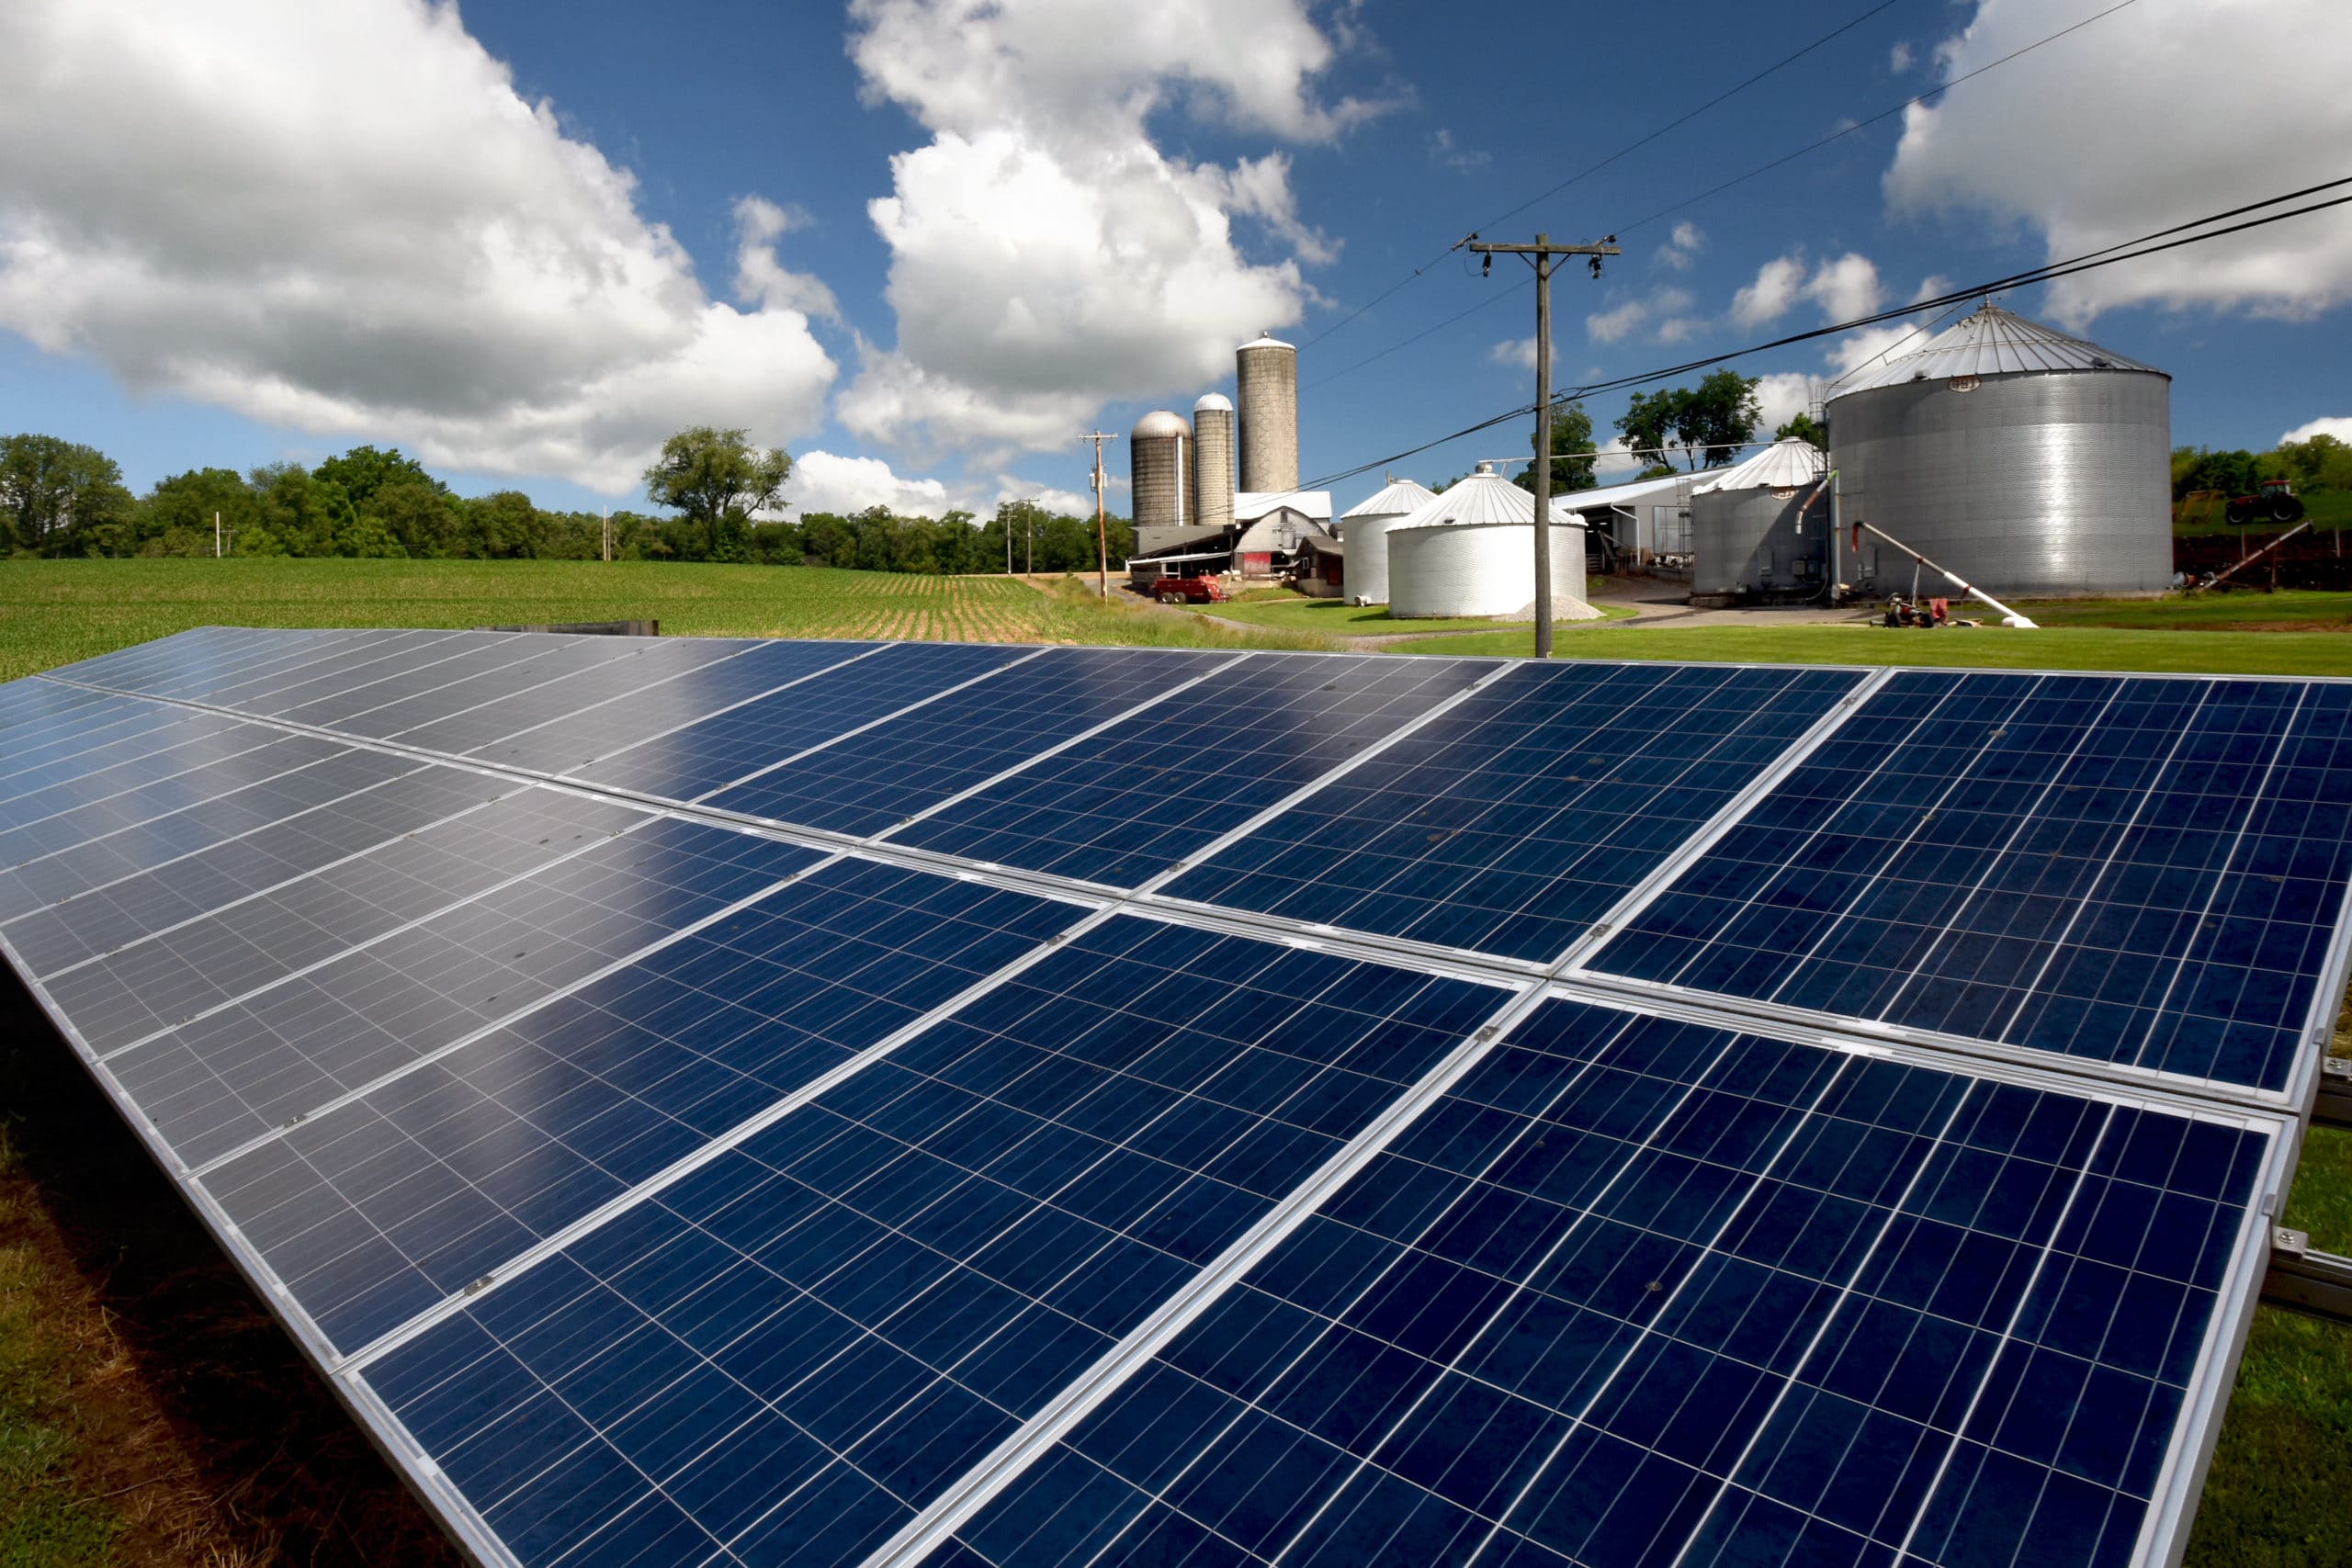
1188, 589
2275, 501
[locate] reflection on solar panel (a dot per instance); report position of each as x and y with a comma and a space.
741, 1102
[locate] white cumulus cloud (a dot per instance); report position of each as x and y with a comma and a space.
828, 482
2340, 428
1844, 287
344, 219
2160, 114
1660, 312
1046, 256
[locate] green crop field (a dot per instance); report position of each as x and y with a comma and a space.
2275, 1492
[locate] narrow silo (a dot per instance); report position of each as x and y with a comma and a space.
2033, 463
1266, 371
1159, 464
1471, 551
1761, 529
1364, 532
1212, 460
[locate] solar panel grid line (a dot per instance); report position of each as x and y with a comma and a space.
695, 719
460, 673
956, 1505
1732, 1211
1023, 766
1846, 1293
34, 769
894, 714
2102, 841
160, 789
362, 1091
2008, 1334
669, 1176
2163, 1535
59, 742
2213, 893
559, 664
284, 678
1253, 823
263, 892
168, 659
1733, 811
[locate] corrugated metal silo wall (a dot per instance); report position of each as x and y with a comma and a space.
1156, 464
1748, 540
1268, 381
2034, 485
1481, 568
1213, 465
1367, 569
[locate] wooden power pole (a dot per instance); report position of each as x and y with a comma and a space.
1102, 537
1539, 256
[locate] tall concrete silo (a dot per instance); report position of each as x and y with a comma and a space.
1212, 460
2036, 464
1159, 464
1753, 532
1266, 373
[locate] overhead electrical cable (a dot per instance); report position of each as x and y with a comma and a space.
1703, 196
2173, 236
1631, 147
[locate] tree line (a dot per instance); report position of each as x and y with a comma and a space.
2320, 463
60, 498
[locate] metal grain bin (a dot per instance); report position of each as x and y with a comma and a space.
1159, 464
1752, 534
1266, 375
1471, 551
1365, 529
2036, 464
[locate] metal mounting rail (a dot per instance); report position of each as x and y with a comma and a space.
2317, 1284
2332, 1105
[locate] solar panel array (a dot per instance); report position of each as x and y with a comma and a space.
712, 1101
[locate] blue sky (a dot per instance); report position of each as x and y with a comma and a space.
288, 227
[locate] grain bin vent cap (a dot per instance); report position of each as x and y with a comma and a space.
1989, 342
1159, 424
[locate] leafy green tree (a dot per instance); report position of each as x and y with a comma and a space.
175, 517
1719, 416
1572, 453
419, 517
1656, 471
718, 479
504, 525
62, 498
362, 470
1650, 420
1804, 427
828, 539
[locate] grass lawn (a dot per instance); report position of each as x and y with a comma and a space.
1337, 617
2053, 647
67, 1493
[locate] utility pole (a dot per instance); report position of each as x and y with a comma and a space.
1102, 536
609, 533
1539, 256
216, 536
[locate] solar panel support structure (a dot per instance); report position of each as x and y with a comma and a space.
2302, 1279
2333, 1108
1541, 254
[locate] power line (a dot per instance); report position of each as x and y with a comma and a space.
2174, 236
1703, 196
1625, 151
1842, 133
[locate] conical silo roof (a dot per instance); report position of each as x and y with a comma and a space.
1988, 342
1784, 465
1401, 499
1484, 497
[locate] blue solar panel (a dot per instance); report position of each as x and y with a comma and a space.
1642, 1292
692, 761
374, 1210
660, 1189
1130, 804
2146, 873
1512, 821
776, 1354
869, 781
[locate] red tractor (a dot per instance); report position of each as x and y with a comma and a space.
2276, 502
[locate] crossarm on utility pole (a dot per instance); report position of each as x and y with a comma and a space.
1541, 255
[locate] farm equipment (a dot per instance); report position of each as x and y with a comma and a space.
2215, 580
1188, 591
2275, 501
